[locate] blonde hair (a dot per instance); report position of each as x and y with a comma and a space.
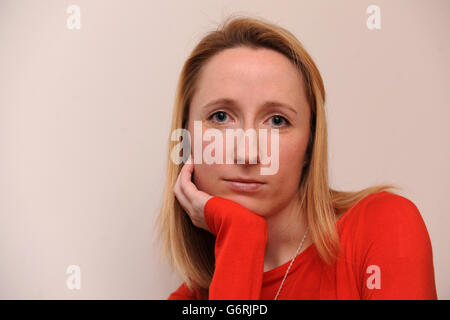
190, 250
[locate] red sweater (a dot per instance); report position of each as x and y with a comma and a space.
386, 254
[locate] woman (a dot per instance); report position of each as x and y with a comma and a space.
232, 233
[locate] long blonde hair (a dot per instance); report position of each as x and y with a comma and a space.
190, 250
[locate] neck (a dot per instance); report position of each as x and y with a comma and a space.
285, 232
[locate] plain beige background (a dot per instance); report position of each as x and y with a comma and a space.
85, 115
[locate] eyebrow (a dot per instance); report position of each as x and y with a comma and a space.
231, 102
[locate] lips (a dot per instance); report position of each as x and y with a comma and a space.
244, 180
244, 185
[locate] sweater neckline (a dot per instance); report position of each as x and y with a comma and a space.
279, 271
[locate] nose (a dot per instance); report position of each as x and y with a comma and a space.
247, 146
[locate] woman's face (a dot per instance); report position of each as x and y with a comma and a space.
249, 78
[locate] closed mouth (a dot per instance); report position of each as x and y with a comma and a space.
242, 180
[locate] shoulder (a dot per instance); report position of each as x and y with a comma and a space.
388, 221
388, 246
390, 202
382, 207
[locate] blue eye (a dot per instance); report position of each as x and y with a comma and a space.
221, 115
279, 119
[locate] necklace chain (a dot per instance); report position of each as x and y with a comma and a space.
292, 261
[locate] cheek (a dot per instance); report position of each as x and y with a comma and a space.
291, 153
205, 177
199, 176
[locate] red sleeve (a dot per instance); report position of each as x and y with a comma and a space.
398, 258
241, 237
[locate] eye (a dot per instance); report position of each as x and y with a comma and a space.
218, 116
277, 119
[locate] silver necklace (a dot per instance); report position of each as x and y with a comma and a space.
292, 261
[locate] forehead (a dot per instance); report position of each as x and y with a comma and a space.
251, 76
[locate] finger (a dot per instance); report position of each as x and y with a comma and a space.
180, 174
179, 194
195, 196
176, 187
187, 186
189, 160
183, 202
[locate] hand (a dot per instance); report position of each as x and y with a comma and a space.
191, 199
